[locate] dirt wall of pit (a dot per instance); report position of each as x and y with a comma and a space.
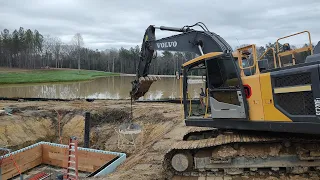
31, 122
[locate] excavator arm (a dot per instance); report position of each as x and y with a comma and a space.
189, 40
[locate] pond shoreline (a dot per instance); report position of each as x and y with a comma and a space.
110, 87
123, 74
50, 75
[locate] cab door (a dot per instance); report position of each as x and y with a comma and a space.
226, 93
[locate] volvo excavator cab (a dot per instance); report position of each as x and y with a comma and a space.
223, 90
225, 93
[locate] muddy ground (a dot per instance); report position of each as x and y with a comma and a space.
162, 125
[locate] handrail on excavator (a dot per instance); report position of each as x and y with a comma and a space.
190, 108
181, 98
273, 54
309, 35
207, 103
254, 52
293, 51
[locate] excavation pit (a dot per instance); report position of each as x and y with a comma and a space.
52, 158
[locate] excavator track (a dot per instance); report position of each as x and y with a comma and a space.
197, 133
239, 153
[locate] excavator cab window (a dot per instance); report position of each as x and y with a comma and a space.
247, 63
196, 89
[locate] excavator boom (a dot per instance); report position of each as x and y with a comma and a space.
189, 40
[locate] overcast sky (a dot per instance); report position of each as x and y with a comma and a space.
115, 23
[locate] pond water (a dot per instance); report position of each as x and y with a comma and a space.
115, 87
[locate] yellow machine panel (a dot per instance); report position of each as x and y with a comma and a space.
254, 101
271, 113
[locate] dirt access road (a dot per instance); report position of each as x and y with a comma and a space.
162, 126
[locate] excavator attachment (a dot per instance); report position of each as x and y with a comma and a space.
141, 86
142, 82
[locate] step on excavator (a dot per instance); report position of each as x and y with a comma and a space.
260, 115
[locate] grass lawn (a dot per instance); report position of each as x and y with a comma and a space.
50, 75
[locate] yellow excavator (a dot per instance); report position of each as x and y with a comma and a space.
260, 114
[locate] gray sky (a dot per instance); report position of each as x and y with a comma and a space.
115, 23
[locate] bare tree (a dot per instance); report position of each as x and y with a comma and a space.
66, 51
52, 49
77, 41
113, 55
48, 46
57, 50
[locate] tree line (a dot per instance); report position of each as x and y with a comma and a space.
30, 49
21, 48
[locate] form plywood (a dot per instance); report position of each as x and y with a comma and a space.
87, 161
26, 160
55, 154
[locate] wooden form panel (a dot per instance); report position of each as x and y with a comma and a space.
88, 161
26, 160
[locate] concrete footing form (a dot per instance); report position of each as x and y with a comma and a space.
94, 162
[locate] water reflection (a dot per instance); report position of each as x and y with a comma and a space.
102, 88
